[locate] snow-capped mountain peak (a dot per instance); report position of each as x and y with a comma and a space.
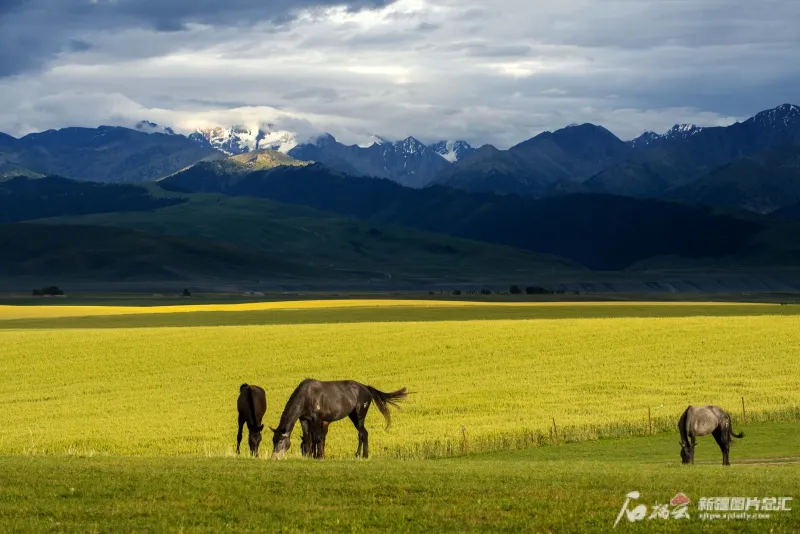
321, 140
452, 151
682, 131
409, 145
645, 139
780, 117
151, 127
679, 131
240, 139
374, 140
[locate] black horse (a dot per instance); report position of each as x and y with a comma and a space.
701, 421
317, 404
251, 404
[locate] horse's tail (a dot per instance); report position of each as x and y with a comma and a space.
252, 413
734, 434
383, 400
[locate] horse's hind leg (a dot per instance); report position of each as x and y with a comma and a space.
719, 436
323, 436
365, 439
726, 440
318, 431
354, 418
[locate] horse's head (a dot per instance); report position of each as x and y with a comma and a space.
280, 443
254, 439
687, 453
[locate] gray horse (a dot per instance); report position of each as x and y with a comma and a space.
702, 421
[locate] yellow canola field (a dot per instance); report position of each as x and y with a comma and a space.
172, 391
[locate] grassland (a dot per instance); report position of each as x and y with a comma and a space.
570, 488
123, 418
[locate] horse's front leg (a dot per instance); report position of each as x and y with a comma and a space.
305, 439
239, 435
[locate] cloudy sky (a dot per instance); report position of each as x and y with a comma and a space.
484, 71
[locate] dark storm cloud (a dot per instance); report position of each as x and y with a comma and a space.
178, 13
32, 32
495, 72
77, 45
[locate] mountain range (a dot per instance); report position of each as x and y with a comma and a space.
103, 154
408, 162
750, 165
589, 158
239, 139
669, 166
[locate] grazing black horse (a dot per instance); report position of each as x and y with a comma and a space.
317, 404
701, 421
252, 403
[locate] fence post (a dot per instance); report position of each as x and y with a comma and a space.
744, 415
649, 422
555, 429
465, 444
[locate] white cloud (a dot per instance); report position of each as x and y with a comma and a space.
471, 69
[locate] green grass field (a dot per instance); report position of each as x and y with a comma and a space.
123, 418
569, 488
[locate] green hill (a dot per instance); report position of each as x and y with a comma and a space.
601, 232
232, 169
321, 245
23, 198
258, 161
241, 164
93, 253
11, 162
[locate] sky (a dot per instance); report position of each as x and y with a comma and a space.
494, 72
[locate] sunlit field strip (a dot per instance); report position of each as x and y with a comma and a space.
8, 312
151, 391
